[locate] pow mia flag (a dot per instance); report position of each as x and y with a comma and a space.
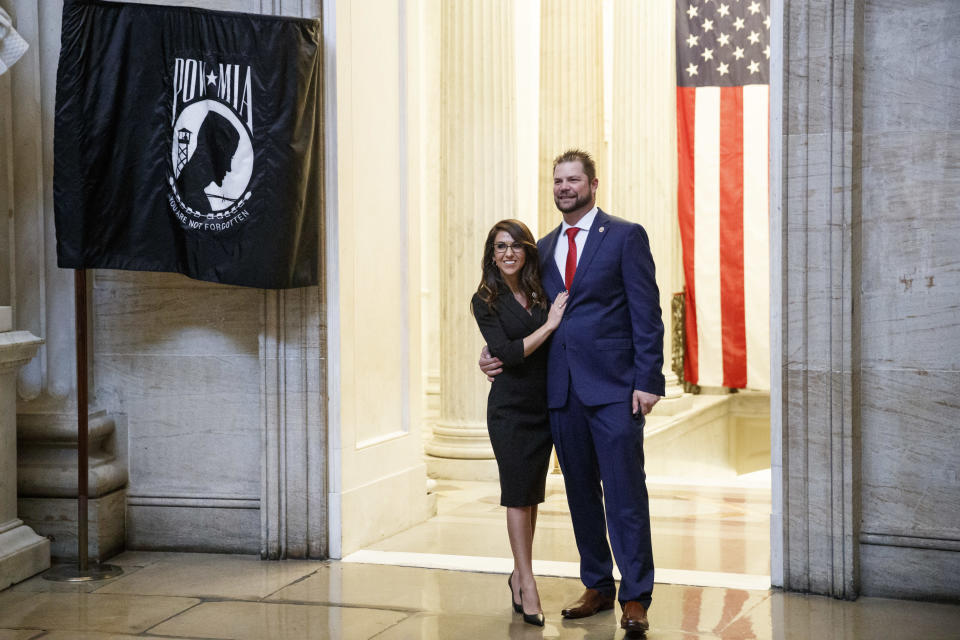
189, 141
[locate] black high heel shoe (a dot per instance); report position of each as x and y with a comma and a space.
536, 619
516, 607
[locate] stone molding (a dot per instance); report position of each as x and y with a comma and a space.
293, 390
293, 505
815, 217
17, 348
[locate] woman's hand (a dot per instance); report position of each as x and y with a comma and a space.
556, 310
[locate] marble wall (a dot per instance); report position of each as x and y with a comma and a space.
180, 359
864, 228
910, 299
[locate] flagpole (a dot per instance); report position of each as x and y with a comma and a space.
83, 571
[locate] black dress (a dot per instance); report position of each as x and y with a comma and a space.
517, 418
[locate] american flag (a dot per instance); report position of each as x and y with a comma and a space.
723, 103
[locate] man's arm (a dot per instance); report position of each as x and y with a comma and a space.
643, 300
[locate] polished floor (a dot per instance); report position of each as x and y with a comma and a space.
167, 595
709, 541
713, 533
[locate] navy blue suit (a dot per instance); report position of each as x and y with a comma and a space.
609, 343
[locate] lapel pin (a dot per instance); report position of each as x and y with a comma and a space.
600, 229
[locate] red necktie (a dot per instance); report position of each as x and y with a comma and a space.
571, 257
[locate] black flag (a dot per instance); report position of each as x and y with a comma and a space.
190, 141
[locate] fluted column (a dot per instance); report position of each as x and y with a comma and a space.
44, 293
644, 150
477, 188
571, 93
41, 296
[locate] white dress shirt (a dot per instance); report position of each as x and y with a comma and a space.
560, 254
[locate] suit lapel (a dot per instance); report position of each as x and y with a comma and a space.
517, 309
594, 238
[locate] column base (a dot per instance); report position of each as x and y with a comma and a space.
57, 519
460, 441
22, 554
462, 469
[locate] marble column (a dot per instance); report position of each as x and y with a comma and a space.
428, 152
22, 552
643, 172
815, 138
571, 94
477, 188
42, 303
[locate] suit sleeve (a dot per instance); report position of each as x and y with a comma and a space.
643, 299
509, 351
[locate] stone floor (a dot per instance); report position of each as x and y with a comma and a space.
168, 595
709, 541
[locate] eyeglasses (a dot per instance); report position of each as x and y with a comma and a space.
501, 247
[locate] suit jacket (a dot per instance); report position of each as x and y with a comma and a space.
610, 340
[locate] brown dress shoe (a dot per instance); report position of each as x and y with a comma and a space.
634, 617
591, 602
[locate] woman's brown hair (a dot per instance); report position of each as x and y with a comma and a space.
530, 285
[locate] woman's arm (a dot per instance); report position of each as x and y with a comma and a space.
533, 341
509, 351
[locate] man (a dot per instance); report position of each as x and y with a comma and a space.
605, 373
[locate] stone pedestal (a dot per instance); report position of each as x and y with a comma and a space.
47, 482
22, 552
478, 188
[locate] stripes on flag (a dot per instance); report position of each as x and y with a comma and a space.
723, 204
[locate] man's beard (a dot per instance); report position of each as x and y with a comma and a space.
580, 201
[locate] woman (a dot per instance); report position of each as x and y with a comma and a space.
511, 310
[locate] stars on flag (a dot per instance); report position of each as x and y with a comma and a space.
732, 36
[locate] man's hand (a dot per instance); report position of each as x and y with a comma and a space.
491, 366
644, 401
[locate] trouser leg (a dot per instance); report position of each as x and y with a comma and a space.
618, 441
581, 477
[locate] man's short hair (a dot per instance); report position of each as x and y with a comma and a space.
581, 156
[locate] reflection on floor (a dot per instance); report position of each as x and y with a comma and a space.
166, 595
715, 534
